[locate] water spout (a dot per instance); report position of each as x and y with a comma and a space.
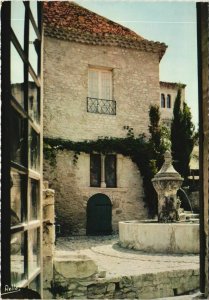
185, 194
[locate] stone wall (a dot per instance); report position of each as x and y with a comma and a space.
135, 87
72, 185
144, 286
167, 113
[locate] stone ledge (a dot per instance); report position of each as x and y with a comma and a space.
74, 266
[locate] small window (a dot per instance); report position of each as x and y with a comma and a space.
162, 100
95, 170
168, 101
108, 165
110, 170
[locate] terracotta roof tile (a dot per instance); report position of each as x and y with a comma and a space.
69, 21
68, 15
173, 85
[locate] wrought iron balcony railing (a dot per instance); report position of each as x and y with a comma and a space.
101, 106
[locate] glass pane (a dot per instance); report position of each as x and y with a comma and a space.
18, 20
17, 76
34, 150
33, 48
106, 85
93, 84
18, 193
110, 170
35, 284
95, 170
18, 270
33, 99
34, 199
33, 250
17, 138
34, 10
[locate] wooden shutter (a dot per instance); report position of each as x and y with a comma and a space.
106, 85
93, 84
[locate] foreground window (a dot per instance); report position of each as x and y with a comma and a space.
21, 202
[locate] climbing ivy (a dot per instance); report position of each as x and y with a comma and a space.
145, 153
139, 149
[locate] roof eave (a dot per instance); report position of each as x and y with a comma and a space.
73, 35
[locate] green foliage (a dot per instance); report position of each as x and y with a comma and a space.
158, 136
166, 137
50, 153
182, 136
146, 154
137, 148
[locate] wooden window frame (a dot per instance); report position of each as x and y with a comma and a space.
9, 102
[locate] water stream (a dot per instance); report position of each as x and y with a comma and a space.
185, 194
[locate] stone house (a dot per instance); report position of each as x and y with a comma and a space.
98, 77
168, 93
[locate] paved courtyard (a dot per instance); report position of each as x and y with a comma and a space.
117, 261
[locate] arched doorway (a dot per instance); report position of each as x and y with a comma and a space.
99, 215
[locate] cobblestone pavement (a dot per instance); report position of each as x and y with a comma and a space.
117, 261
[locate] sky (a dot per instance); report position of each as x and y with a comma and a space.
173, 23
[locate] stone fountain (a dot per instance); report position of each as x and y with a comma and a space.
167, 234
166, 183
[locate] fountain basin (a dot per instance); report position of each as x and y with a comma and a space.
154, 237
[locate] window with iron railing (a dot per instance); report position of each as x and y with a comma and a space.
101, 106
100, 99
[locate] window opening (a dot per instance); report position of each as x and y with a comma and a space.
103, 170
168, 101
162, 100
99, 98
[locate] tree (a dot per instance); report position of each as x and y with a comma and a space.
157, 136
182, 136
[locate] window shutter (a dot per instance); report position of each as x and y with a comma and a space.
93, 84
110, 170
106, 85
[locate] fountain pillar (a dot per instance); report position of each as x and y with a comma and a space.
166, 183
